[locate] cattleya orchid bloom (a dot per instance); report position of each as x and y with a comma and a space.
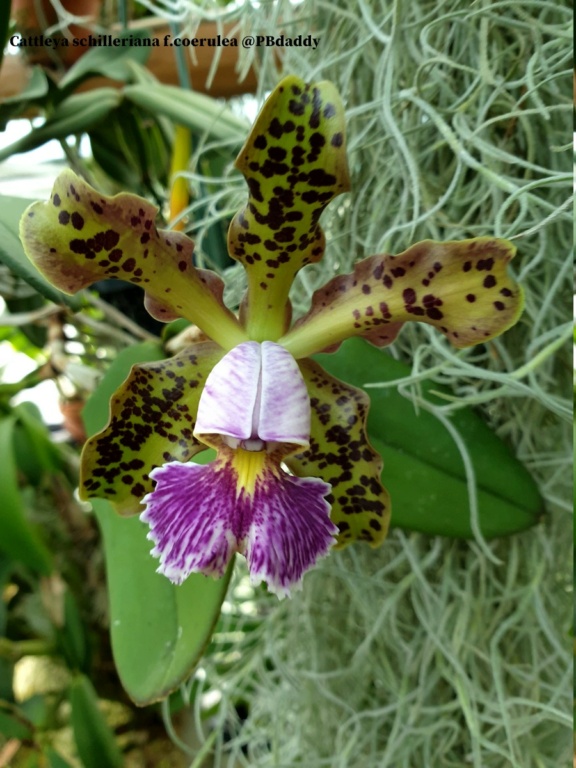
294, 472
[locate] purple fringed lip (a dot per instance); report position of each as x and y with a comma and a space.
200, 515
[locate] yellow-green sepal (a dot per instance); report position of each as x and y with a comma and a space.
460, 287
341, 454
152, 417
80, 237
294, 162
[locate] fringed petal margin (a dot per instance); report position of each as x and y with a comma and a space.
340, 452
193, 519
199, 516
460, 287
291, 530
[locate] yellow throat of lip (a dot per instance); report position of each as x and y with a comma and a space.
248, 465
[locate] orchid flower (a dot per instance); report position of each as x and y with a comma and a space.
294, 472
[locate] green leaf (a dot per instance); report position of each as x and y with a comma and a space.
159, 631
37, 709
12, 253
94, 739
4, 23
35, 91
36, 334
109, 62
423, 468
19, 539
76, 114
72, 637
132, 148
34, 450
194, 110
14, 726
55, 760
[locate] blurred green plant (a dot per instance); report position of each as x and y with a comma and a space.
130, 130
130, 127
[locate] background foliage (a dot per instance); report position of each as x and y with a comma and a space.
429, 651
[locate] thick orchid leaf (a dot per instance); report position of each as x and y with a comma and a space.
341, 454
35, 91
201, 113
81, 236
460, 287
423, 466
106, 62
152, 417
294, 162
158, 631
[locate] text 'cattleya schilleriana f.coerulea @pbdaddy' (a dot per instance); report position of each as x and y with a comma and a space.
251, 392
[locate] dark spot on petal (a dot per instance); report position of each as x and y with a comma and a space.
409, 295
77, 220
489, 281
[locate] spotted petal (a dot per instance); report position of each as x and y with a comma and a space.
341, 454
81, 236
199, 516
460, 287
294, 162
152, 418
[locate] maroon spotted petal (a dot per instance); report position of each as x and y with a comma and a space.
81, 236
294, 162
460, 287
